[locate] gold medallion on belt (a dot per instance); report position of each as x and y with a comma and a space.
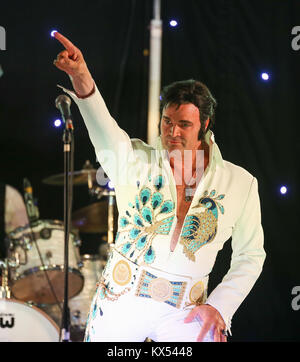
121, 273
160, 289
197, 293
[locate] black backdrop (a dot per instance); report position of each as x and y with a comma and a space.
224, 43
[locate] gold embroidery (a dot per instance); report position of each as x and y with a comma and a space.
201, 228
122, 273
108, 294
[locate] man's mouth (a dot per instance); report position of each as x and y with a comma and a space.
174, 141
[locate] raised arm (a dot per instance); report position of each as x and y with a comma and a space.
112, 145
72, 62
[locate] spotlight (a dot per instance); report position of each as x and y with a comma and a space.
265, 76
283, 190
173, 23
110, 185
53, 32
57, 123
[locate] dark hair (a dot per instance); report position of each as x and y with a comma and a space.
191, 91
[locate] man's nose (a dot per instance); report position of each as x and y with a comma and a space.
175, 131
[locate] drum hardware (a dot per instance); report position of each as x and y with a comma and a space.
24, 242
5, 266
4, 289
99, 192
45, 233
49, 256
88, 167
77, 315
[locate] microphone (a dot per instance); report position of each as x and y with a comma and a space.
32, 210
63, 103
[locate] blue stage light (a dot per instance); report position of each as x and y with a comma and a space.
52, 33
173, 23
57, 123
265, 76
283, 190
110, 185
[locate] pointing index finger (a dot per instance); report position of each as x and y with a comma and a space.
70, 47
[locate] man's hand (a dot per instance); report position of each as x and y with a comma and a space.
210, 318
72, 62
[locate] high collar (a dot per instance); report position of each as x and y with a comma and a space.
215, 155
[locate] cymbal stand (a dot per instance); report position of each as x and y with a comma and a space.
87, 167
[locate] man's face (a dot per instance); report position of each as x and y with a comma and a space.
180, 127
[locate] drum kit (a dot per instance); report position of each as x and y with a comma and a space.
32, 286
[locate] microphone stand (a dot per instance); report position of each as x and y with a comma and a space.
68, 185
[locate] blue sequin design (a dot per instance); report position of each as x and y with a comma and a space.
201, 228
144, 220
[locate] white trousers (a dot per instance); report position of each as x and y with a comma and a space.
133, 319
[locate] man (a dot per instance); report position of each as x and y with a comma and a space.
178, 203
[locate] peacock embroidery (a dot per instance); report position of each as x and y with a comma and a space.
201, 228
150, 215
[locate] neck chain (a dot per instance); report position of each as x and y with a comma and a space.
189, 191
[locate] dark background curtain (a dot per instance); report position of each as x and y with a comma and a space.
224, 43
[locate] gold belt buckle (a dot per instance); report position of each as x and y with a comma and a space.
160, 289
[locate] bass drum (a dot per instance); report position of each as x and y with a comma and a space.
20, 322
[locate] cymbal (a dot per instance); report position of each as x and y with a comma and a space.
81, 177
94, 218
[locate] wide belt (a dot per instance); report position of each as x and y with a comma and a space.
122, 276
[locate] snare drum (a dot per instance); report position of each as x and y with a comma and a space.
39, 278
20, 322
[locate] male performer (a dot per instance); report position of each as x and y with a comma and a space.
178, 202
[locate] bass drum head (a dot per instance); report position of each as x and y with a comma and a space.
33, 286
20, 322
